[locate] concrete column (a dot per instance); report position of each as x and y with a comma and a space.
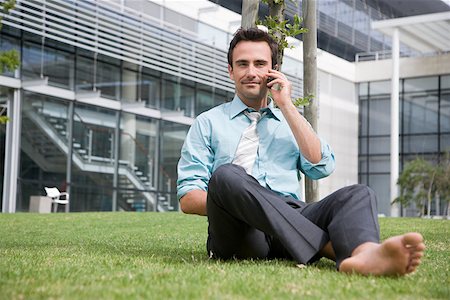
70, 115
395, 210
12, 154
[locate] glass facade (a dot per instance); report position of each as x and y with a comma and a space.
424, 128
344, 26
108, 158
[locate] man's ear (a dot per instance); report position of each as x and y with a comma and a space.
275, 67
230, 72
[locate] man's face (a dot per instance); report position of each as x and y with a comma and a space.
251, 62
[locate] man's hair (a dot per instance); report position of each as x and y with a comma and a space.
253, 35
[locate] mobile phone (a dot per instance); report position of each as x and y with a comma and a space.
275, 86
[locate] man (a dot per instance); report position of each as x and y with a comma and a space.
240, 166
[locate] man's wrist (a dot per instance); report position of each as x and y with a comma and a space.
287, 106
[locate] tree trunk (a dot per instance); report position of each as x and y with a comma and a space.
429, 194
438, 204
276, 11
249, 13
310, 81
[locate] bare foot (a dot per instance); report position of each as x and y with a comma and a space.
398, 255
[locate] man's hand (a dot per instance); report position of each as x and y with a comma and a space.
280, 88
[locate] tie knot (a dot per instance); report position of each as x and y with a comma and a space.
254, 116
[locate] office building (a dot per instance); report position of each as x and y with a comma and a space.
107, 90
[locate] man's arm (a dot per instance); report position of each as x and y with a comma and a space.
306, 138
194, 168
194, 202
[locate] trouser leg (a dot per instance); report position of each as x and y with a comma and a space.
349, 216
237, 202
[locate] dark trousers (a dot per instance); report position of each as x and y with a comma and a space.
246, 220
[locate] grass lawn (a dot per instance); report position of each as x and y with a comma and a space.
159, 256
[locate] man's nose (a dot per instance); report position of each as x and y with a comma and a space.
252, 71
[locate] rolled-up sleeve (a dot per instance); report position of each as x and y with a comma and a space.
195, 164
321, 169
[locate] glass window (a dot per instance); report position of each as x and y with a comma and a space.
108, 79
420, 113
31, 61
363, 117
445, 111
445, 143
363, 88
57, 65
150, 90
363, 146
445, 82
379, 164
93, 157
138, 152
101, 74
207, 97
379, 116
380, 183
138, 165
362, 164
421, 84
362, 179
91, 191
94, 133
420, 144
173, 136
85, 73
379, 145
44, 149
178, 97
380, 87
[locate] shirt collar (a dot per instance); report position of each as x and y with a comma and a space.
237, 107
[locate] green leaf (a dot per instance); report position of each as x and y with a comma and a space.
8, 5
9, 60
4, 119
305, 101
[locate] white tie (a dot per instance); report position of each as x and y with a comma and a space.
248, 145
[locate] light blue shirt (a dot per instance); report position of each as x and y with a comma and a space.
213, 139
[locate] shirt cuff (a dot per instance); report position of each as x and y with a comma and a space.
324, 167
183, 190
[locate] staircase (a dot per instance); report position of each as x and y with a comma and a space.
45, 140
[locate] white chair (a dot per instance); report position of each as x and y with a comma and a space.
56, 196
